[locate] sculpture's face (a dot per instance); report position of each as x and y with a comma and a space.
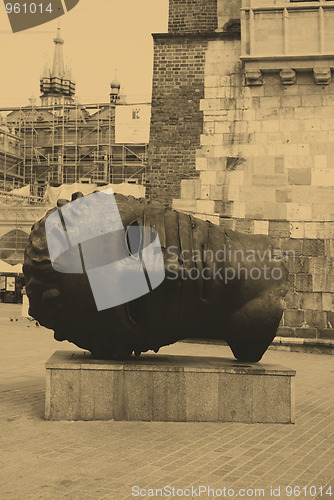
126, 292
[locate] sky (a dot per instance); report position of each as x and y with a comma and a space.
100, 36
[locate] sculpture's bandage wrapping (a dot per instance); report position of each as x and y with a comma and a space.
219, 284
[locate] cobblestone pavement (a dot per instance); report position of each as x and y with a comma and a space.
104, 460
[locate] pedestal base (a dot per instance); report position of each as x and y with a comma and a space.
167, 388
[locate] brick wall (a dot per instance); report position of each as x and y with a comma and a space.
176, 121
191, 16
177, 118
178, 88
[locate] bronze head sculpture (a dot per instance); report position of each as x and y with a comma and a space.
217, 284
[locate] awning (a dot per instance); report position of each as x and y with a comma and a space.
6, 268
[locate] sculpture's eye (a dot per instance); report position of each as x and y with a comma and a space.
133, 239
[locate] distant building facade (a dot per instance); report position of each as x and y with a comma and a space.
64, 141
10, 156
242, 134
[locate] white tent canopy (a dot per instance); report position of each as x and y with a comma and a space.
17, 268
23, 191
65, 191
7, 268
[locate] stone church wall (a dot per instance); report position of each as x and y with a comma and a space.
254, 158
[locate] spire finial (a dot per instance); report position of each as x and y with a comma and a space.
115, 82
115, 87
58, 68
58, 38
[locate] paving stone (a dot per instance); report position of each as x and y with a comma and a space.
95, 460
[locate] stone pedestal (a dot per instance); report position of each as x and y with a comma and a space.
167, 388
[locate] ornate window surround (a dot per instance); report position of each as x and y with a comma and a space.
280, 54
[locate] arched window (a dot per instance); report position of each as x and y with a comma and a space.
12, 246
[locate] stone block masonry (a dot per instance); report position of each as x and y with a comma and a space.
267, 154
253, 154
168, 389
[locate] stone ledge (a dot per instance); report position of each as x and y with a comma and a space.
167, 388
312, 346
287, 65
200, 35
308, 346
301, 341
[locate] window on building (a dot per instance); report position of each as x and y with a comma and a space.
12, 245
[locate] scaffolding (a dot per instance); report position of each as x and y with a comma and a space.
66, 143
11, 160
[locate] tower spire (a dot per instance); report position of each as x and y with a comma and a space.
58, 68
115, 87
57, 85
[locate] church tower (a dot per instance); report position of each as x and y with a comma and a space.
56, 84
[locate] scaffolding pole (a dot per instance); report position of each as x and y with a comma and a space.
84, 137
